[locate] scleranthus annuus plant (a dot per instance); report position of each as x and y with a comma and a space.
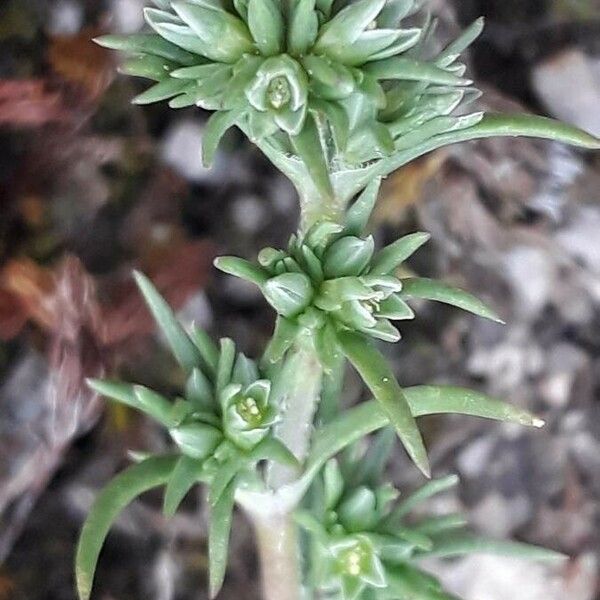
337, 95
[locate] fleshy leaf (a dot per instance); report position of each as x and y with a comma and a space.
206, 347
273, 449
359, 421
454, 545
308, 146
390, 257
430, 289
266, 25
214, 130
121, 491
182, 347
186, 474
303, 27
431, 488
358, 215
379, 378
162, 91
286, 332
238, 267
218, 539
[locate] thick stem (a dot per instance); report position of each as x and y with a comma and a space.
297, 392
277, 539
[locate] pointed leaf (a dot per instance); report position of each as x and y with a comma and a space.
453, 545
388, 259
162, 91
218, 539
274, 449
307, 145
409, 69
215, 128
357, 216
224, 476
458, 46
238, 267
225, 364
183, 349
284, 336
431, 488
345, 28
359, 421
442, 524
206, 347
185, 475
430, 289
122, 490
147, 43
379, 378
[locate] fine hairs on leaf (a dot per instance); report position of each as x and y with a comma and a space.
337, 95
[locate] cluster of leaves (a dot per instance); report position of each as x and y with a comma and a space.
363, 543
325, 89
331, 284
222, 426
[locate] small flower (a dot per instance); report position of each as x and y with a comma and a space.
247, 413
279, 92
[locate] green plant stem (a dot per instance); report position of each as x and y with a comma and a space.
297, 391
277, 540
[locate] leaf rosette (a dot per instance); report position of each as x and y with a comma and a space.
367, 544
221, 424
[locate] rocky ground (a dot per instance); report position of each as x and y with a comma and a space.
91, 187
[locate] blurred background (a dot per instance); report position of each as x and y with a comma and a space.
91, 187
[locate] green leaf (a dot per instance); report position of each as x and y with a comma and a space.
358, 215
218, 539
430, 289
438, 399
224, 476
122, 490
147, 43
187, 472
388, 259
162, 91
150, 403
431, 488
453, 545
376, 373
370, 468
442, 524
266, 26
333, 484
357, 422
183, 349
462, 42
303, 27
284, 336
225, 37
409, 69
348, 256
337, 118
345, 28
274, 449
206, 347
238, 267
307, 145
173, 31
147, 66
215, 128
529, 126
225, 364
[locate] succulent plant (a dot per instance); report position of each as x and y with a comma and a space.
337, 95
286, 70
365, 544
222, 425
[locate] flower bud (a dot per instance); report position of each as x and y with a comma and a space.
348, 256
289, 294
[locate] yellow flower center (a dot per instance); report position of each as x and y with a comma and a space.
249, 411
279, 92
